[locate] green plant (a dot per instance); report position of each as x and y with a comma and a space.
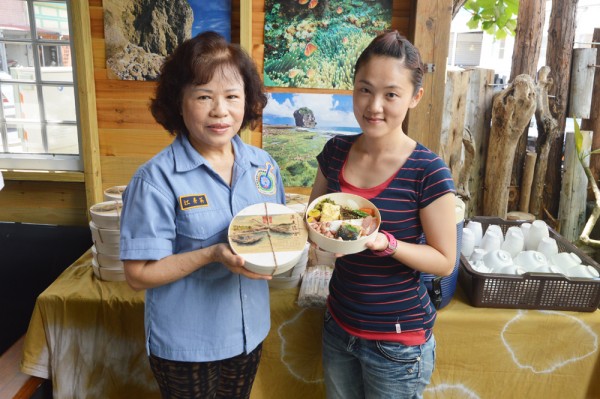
496, 17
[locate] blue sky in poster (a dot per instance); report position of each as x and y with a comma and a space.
330, 110
212, 15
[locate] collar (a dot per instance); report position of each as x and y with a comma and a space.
187, 158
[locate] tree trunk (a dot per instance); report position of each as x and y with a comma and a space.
511, 112
561, 35
593, 123
547, 128
526, 53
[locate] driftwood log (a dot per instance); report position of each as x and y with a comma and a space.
573, 193
547, 127
453, 124
512, 110
527, 181
462, 188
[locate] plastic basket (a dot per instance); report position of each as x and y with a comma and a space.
530, 290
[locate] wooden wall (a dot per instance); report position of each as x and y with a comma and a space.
129, 136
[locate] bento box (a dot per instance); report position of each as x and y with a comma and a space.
342, 223
270, 237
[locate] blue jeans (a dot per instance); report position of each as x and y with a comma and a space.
357, 368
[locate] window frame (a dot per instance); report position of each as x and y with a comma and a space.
45, 161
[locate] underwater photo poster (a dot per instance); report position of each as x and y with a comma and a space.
139, 34
315, 44
296, 126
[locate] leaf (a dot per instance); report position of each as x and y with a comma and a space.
501, 33
486, 3
486, 25
578, 137
473, 23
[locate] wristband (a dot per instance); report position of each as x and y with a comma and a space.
392, 244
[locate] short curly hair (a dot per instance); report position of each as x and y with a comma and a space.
195, 61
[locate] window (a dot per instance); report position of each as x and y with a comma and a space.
38, 119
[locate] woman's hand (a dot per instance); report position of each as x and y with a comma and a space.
235, 263
380, 243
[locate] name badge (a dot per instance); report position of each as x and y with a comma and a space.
192, 201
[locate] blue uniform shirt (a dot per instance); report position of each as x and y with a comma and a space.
176, 203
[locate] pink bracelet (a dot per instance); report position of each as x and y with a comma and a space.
392, 244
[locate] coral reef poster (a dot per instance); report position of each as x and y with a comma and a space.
139, 34
297, 126
315, 44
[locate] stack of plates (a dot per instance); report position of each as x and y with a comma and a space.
105, 224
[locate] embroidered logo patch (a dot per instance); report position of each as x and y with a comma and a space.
192, 201
265, 180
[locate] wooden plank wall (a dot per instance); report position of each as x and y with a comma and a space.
127, 133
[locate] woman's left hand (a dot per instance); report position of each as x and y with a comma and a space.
380, 243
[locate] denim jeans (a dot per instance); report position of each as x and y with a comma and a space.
357, 368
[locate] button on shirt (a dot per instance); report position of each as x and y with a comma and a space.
176, 203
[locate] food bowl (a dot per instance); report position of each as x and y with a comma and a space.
108, 273
339, 245
104, 236
105, 240
114, 193
106, 260
107, 214
270, 237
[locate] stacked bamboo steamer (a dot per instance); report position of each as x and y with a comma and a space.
105, 228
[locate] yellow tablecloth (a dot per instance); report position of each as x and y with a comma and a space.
87, 336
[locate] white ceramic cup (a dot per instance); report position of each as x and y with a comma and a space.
477, 231
548, 247
497, 260
468, 243
593, 272
565, 260
480, 267
497, 229
477, 255
510, 269
537, 231
543, 269
531, 260
582, 271
525, 230
491, 241
513, 242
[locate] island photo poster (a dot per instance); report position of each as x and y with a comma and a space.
315, 44
296, 126
140, 34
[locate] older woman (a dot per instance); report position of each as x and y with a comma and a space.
206, 315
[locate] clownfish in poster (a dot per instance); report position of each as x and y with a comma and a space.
309, 49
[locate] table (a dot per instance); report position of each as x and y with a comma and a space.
87, 336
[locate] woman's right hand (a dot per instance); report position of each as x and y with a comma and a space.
222, 253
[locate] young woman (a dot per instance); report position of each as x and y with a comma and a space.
206, 316
377, 337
